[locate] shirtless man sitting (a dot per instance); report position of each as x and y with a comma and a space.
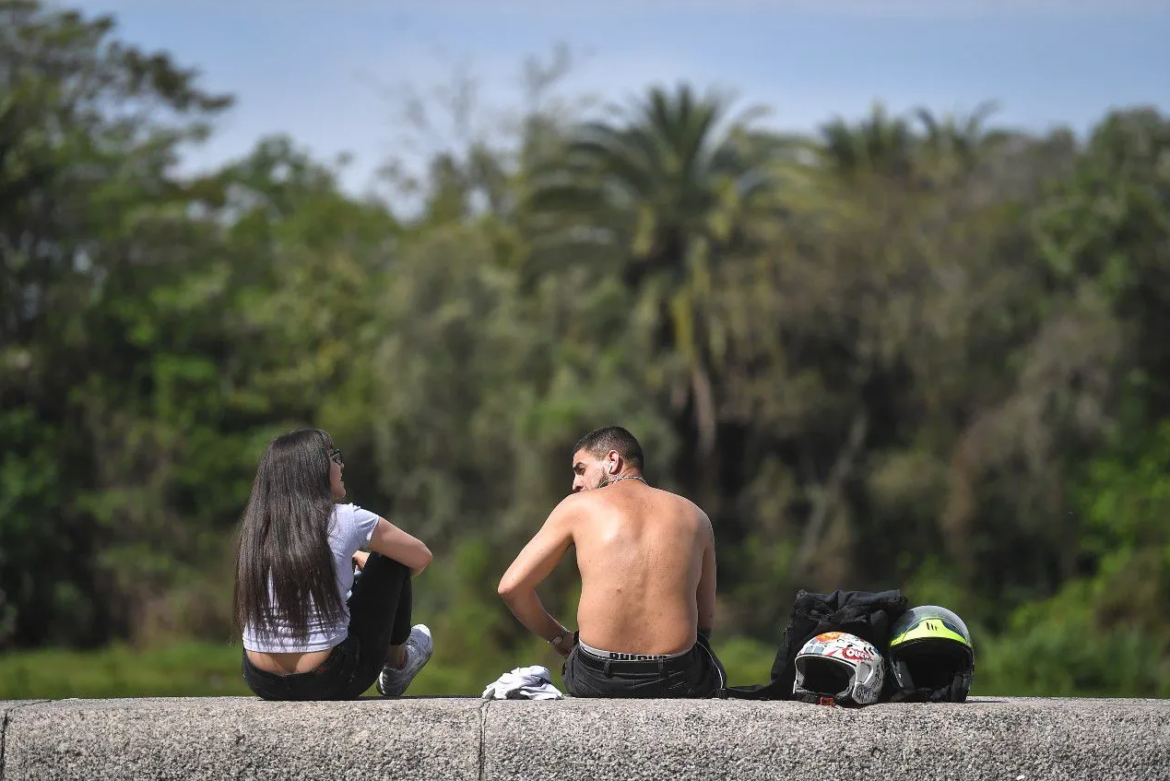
647, 563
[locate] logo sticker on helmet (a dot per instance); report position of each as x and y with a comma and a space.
827, 636
856, 654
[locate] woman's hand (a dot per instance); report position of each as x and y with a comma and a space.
360, 558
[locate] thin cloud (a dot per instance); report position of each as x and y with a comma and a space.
919, 9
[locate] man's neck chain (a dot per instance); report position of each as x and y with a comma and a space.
629, 477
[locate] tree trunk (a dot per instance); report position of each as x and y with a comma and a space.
830, 493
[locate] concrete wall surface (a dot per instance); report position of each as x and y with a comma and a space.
422, 739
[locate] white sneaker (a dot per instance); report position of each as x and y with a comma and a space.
392, 681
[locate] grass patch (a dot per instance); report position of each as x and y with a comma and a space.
213, 670
183, 670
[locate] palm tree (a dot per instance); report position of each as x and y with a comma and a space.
948, 147
878, 144
955, 145
661, 185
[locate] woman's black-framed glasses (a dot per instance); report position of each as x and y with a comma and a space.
335, 456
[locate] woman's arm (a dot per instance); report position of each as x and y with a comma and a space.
393, 543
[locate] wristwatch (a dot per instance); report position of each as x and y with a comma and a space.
556, 641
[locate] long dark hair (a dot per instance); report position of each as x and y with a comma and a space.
284, 538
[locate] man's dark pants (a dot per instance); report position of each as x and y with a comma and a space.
697, 674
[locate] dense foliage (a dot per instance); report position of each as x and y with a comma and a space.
919, 352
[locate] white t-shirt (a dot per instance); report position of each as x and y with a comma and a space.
350, 528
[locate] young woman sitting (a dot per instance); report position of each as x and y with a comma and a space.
309, 631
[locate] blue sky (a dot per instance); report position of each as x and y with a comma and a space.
326, 71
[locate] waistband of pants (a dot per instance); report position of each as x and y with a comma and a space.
336, 656
615, 656
631, 663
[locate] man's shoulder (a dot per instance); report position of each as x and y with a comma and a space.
585, 502
572, 505
684, 502
701, 520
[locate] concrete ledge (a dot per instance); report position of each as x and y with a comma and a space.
424, 739
981, 739
230, 737
6, 706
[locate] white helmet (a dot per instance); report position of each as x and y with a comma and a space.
838, 668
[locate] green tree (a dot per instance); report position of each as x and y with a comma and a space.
658, 190
91, 223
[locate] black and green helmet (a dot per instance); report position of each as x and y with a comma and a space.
931, 656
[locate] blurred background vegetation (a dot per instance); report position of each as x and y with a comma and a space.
921, 352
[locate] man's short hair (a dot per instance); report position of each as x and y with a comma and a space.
602, 440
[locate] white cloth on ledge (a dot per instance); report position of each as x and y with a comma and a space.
523, 683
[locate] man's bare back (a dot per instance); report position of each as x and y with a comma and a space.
647, 563
641, 552
646, 557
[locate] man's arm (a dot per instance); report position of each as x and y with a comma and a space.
706, 590
538, 559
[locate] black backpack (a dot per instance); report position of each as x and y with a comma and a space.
869, 615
